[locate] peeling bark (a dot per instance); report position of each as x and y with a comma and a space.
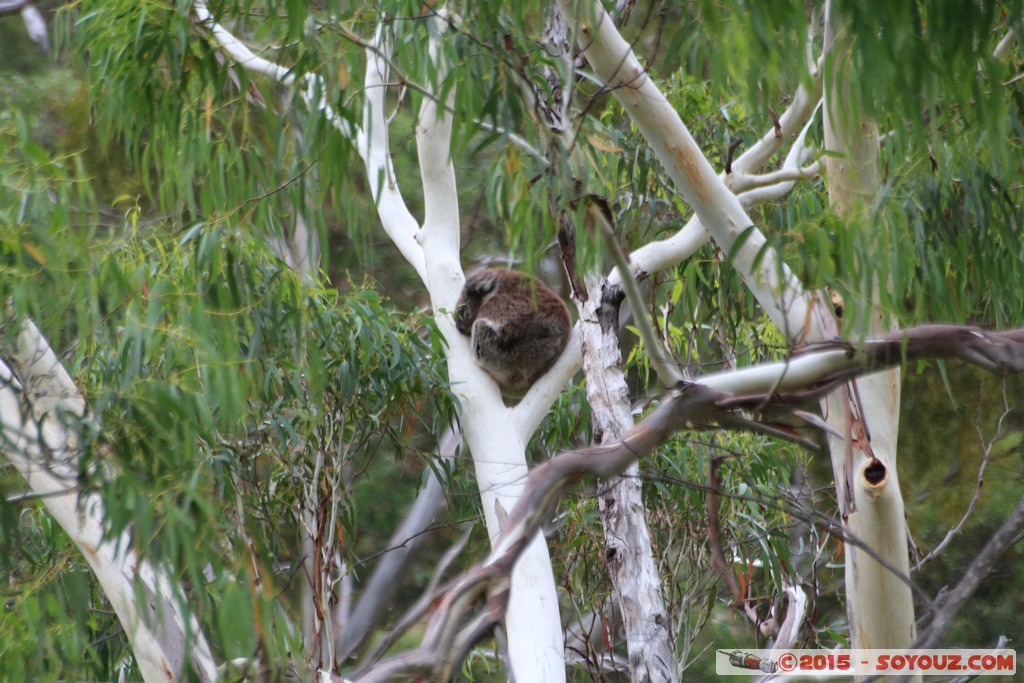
476, 602
628, 552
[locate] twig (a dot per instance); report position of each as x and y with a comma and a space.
661, 357
958, 529
942, 617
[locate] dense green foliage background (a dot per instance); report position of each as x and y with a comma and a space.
141, 180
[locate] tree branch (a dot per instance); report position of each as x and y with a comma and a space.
395, 217
440, 235
370, 140
662, 254
38, 402
480, 597
942, 617
773, 284
313, 88
791, 171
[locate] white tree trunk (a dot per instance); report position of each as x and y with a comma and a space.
627, 542
879, 603
802, 316
495, 435
32, 399
533, 624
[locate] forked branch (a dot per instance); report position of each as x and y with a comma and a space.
467, 611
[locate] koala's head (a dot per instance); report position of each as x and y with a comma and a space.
480, 287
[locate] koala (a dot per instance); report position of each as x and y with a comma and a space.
517, 326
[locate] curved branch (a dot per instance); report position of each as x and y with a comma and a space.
395, 217
942, 617
774, 285
313, 88
37, 401
782, 386
370, 141
661, 254
773, 186
790, 172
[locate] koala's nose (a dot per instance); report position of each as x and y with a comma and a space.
460, 319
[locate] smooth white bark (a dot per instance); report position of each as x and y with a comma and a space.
722, 213
489, 428
370, 141
373, 146
880, 605
533, 624
35, 392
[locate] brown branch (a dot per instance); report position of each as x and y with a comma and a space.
715, 535
991, 350
942, 617
734, 144
477, 601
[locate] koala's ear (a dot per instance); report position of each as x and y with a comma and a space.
482, 283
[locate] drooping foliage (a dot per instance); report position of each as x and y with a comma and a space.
221, 385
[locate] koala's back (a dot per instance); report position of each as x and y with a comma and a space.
519, 331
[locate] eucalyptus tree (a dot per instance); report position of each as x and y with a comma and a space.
780, 177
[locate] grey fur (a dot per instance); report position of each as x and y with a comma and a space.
517, 326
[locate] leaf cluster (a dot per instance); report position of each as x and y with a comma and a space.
222, 388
